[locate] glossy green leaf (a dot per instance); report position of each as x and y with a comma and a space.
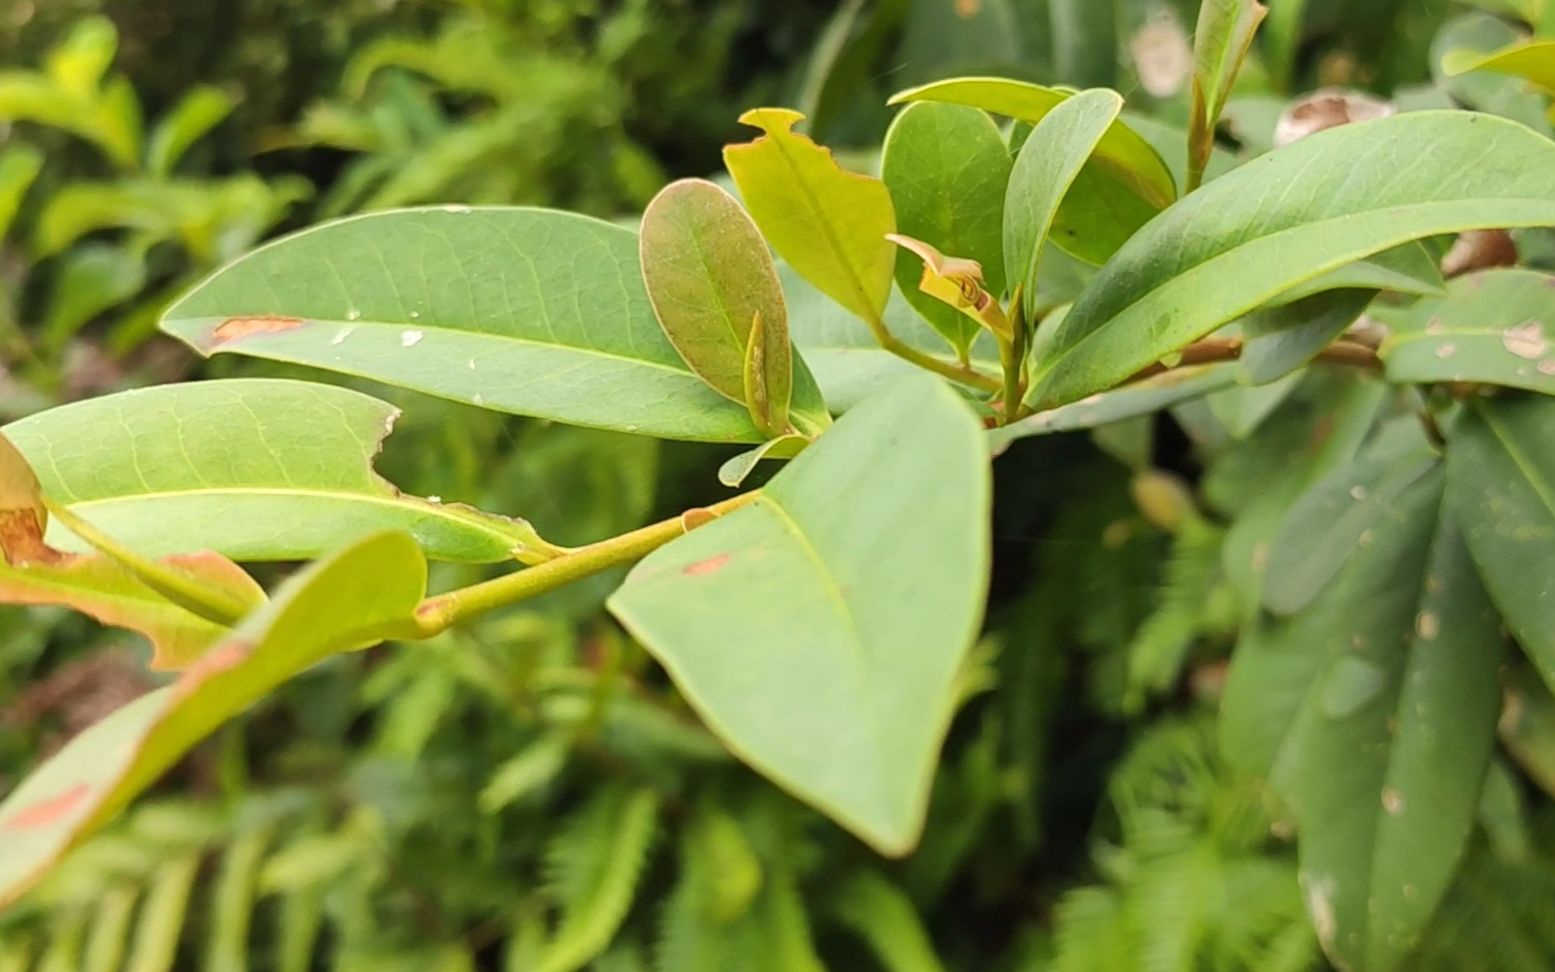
829, 224
813, 631
1501, 473
1275, 223
199, 111
1121, 186
519, 310
946, 168
1138, 398
1532, 60
1496, 326
1343, 511
1044, 177
711, 280
1122, 156
1278, 340
358, 596
1221, 40
1394, 740
253, 469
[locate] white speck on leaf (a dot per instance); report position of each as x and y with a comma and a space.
1547, 367
415, 315
1320, 906
478, 398
434, 499
1428, 625
1392, 801
470, 364
456, 208
1357, 492
1445, 351
1526, 340
353, 314
342, 334
410, 339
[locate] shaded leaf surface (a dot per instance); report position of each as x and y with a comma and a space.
809, 630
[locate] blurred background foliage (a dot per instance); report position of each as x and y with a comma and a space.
528, 793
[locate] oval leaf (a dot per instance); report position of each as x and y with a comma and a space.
711, 279
347, 601
820, 629
1286, 218
518, 310
824, 221
1044, 177
1497, 326
946, 168
255, 469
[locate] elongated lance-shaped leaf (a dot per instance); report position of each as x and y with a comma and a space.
1286, 218
946, 167
1497, 326
1278, 340
1124, 157
829, 224
1045, 171
255, 469
1138, 398
1220, 45
717, 296
1501, 475
818, 631
1532, 60
32, 572
358, 596
1392, 742
528, 311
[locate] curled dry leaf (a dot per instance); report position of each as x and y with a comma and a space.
1163, 55
1479, 250
958, 282
1325, 109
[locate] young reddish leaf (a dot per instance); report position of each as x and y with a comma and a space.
956, 282
1220, 44
716, 294
827, 223
359, 596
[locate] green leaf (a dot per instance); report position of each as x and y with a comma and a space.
1531, 60
1282, 37
1278, 340
1220, 44
1394, 740
717, 296
1501, 474
78, 64
253, 469
1496, 326
88, 281
884, 916
1138, 398
1044, 178
352, 599
946, 168
518, 310
1407, 269
199, 111
1477, 33
1343, 511
1275, 223
19, 167
827, 223
733, 472
819, 630
1123, 156
1119, 188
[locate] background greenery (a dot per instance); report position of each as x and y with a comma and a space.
528, 792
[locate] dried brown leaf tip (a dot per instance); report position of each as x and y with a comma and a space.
1479, 250
234, 328
1329, 108
23, 517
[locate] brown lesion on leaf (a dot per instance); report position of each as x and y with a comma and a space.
236, 328
709, 566
21, 539
50, 810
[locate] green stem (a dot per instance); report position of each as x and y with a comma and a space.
439, 613
963, 375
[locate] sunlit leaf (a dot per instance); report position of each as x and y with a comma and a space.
946, 167
352, 599
1270, 226
1497, 326
527, 311
253, 469
809, 630
827, 223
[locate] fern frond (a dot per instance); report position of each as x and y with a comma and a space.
1160, 646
